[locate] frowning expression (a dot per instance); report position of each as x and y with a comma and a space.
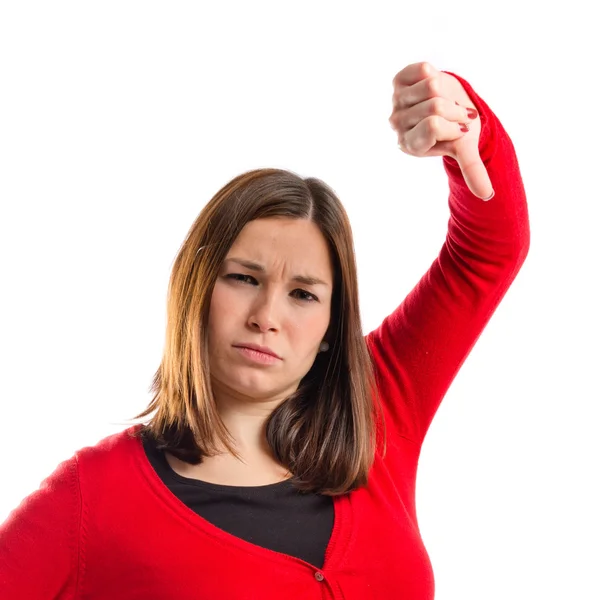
274, 289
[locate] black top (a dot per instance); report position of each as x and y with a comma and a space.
276, 516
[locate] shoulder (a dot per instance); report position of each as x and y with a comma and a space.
110, 445
112, 455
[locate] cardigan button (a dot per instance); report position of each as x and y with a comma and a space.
319, 576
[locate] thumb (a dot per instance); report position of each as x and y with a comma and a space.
474, 171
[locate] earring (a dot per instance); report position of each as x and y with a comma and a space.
323, 347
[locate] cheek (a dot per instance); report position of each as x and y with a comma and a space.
222, 303
224, 314
310, 327
217, 331
216, 319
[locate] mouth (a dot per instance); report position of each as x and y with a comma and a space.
260, 349
258, 356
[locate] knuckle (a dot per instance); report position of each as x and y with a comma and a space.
425, 68
400, 100
437, 105
435, 86
432, 86
431, 124
418, 150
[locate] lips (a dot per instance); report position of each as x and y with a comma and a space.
264, 349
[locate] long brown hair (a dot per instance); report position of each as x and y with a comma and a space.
325, 432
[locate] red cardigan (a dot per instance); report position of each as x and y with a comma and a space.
103, 526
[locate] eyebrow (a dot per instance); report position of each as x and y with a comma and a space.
252, 266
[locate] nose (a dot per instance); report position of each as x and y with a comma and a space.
262, 316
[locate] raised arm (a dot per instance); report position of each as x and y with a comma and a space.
39, 541
419, 348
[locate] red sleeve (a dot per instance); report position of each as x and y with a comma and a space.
419, 348
39, 541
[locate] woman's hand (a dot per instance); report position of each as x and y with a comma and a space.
430, 107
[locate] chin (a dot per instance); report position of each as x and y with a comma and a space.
253, 384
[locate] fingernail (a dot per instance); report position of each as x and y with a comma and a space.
464, 127
490, 197
472, 113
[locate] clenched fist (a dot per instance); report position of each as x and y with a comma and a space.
434, 116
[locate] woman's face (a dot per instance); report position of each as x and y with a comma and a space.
264, 304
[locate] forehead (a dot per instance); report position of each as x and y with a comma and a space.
276, 242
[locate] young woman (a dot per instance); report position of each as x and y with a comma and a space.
280, 459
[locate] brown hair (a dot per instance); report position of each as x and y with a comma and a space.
325, 432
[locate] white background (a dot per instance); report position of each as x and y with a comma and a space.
120, 120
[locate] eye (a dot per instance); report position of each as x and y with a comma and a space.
308, 297
304, 295
235, 276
